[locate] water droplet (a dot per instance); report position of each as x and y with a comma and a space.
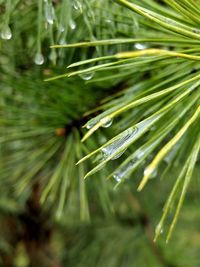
118, 155
77, 5
39, 59
117, 177
140, 46
140, 153
87, 76
61, 28
124, 170
72, 24
159, 229
49, 12
108, 21
53, 55
62, 41
106, 122
6, 33
91, 123
150, 172
118, 147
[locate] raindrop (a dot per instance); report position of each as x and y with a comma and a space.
108, 21
124, 170
87, 76
49, 13
140, 46
61, 28
118, 155
106, 122
159, 229
62, 41
53, 55
6, 33
72, 24
117, 177
150, 172
91, 123
77, 5
39, 59
117, 147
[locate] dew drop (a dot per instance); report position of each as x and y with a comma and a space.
72, 24
108, 21
87, 76
53, 55
62, 41
159, 229
77, 5
61, 28
39, 59
118, 155
106, 122
150, 172
119, 146
140, 46
49, 13
124, 170
91, 123
6, 33
117, 177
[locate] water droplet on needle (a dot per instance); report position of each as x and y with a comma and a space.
39, 59
87, 76
6, 33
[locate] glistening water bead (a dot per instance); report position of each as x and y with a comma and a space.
87, 76
6, 33
106, 122
124, 170
72, 24
49, 13
118, 147
159, 229
140, 46
39, 59
77, 5
150, 172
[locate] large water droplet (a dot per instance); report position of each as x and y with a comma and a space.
106, 122
118, 147
140, 46
72, 24
6, 33
39, 59
124, 170
87, 76
49, 13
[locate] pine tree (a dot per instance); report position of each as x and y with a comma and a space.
125, 111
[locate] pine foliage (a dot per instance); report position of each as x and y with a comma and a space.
133, 83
